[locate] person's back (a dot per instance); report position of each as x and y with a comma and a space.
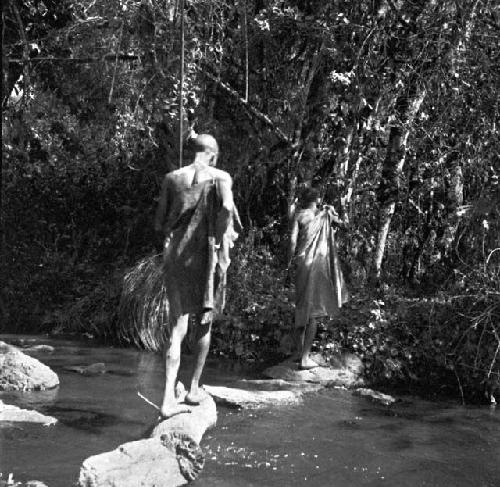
186, 176
194, 219
319, 284
304, 217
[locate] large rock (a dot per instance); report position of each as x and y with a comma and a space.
257, 393
20, 372
345, 370
10, 482
14, 414
145, 463
192, 425
171, 457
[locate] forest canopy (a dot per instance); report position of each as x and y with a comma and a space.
390, 107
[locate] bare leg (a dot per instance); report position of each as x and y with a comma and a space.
298, 335
170, 407
310, 333
203, 333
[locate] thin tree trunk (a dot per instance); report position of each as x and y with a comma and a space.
297, 146
407, 106
455, 200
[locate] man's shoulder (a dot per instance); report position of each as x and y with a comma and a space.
220, 174
174, 176
175, 173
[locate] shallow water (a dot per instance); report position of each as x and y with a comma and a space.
332, 438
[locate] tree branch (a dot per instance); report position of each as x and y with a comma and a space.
26, 50
262, 117
83, 60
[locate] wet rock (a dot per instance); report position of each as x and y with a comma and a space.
246, 397
347, 361
147, 463
13, 414
346, 371
20, 372
375, 396
88, 370
39, 349
189, 455
194, 424
170, 457
277, 385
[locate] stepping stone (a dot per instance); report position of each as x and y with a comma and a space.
170, 457
14, 414
39, 349
88, 370
20, 372
375, 396
245, 398
346, 371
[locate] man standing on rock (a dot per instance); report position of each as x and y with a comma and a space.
197, 221
319, 285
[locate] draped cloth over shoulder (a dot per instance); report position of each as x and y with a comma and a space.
196, 251
320, 287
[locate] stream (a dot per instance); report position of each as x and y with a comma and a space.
331, 439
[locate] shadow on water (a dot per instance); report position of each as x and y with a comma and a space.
332, 438
82, 419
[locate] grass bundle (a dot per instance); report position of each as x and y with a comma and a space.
143, 311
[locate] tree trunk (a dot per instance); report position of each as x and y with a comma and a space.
407, 106
455, 198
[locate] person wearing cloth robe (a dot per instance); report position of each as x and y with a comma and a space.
319, 285
197, 221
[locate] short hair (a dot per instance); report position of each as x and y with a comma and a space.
308, 196
203, 142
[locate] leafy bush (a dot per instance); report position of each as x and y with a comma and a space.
259, 311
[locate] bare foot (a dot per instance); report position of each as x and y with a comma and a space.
307, 364
195, 397
169, 410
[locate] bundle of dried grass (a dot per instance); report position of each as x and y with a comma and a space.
143, 311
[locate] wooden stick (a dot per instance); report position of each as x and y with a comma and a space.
148, 401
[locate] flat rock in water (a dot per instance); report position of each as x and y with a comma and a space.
10, 482
277, 385
193, 424
39, 349
375, 396
145, 463
13, 414
88, 370
245, 398
346, 371
20, 372
171, 457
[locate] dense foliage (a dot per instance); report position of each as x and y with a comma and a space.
389, 106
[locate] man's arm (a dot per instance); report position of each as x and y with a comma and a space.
342, 222
225, 185
226, 192
294, 233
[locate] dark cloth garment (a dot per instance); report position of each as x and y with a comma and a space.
196, 251
320, 287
